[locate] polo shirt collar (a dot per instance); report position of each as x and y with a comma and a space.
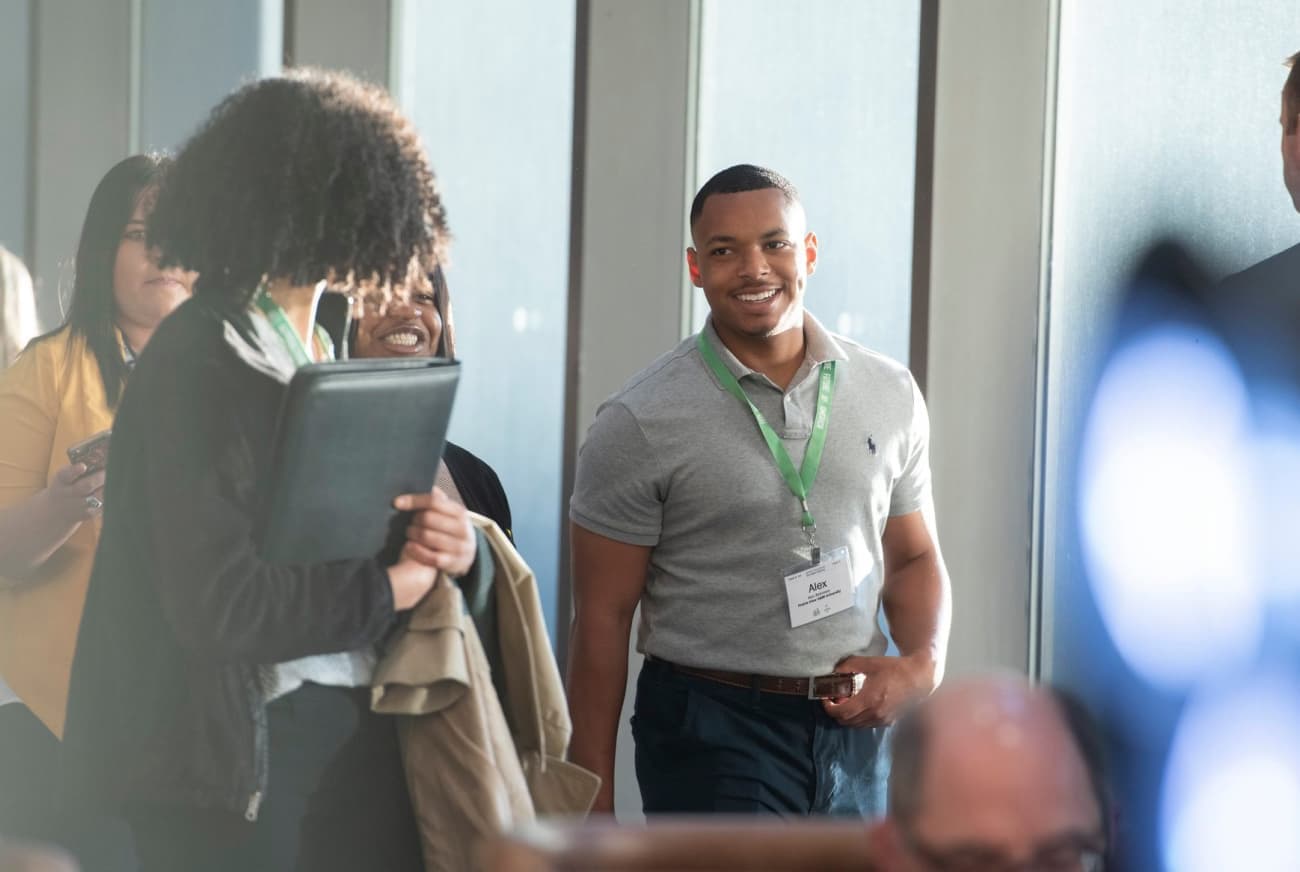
820, 346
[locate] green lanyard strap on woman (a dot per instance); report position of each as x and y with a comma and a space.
800, 482
292, 341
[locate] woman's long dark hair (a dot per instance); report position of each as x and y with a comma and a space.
93, 312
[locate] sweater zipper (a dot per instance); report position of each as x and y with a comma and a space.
260, 755
254, 803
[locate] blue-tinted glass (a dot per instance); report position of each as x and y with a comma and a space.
494, 104
825, 95
192, 55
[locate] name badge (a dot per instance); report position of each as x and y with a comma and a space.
819, 590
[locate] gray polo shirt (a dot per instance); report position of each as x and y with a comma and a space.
675, 462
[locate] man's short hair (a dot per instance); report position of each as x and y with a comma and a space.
1291, 95
738, 180
911, 735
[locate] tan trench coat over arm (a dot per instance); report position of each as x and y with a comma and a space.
480, 760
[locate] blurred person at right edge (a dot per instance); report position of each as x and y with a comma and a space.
63, 388
1271, 284
992, 775
18, 324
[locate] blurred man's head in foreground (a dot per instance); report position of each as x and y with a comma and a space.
992, 774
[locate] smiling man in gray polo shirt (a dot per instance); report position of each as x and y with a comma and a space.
760, 491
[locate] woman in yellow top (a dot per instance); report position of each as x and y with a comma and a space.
63, 388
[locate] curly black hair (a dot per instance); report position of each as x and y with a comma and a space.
308, 176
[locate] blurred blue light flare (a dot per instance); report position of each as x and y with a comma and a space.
1164, 501
1231, 795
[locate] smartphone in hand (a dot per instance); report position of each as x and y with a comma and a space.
93, 452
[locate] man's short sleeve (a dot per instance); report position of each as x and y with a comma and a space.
617, 492
912, 490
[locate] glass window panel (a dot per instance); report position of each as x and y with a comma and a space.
193, 55
495, 107
829, 101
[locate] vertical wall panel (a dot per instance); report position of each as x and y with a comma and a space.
192, 55
347, 35
635, 161
984, 288
15, 86
81, 113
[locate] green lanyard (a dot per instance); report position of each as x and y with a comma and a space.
801, 482
280, 321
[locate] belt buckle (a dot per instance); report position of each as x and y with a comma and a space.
839, 685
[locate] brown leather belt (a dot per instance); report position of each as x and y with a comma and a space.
836, 685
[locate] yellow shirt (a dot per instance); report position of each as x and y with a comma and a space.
52, 397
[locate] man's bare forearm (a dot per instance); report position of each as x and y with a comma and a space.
918, 605
597, 682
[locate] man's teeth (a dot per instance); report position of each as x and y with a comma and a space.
758, 297
404, 339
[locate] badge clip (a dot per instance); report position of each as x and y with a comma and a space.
810, 533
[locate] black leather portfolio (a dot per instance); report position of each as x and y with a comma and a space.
353, 435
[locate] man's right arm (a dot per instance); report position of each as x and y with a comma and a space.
608, 578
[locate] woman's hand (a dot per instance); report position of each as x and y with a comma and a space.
32, 530
440, 534
75, 495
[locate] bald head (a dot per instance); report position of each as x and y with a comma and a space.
996, 767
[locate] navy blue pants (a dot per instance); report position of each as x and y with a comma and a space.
702, 746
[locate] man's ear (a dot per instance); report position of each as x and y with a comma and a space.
810, 251
693, 267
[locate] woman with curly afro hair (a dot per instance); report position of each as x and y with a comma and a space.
222, 703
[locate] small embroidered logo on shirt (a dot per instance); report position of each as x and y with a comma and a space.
871, 446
